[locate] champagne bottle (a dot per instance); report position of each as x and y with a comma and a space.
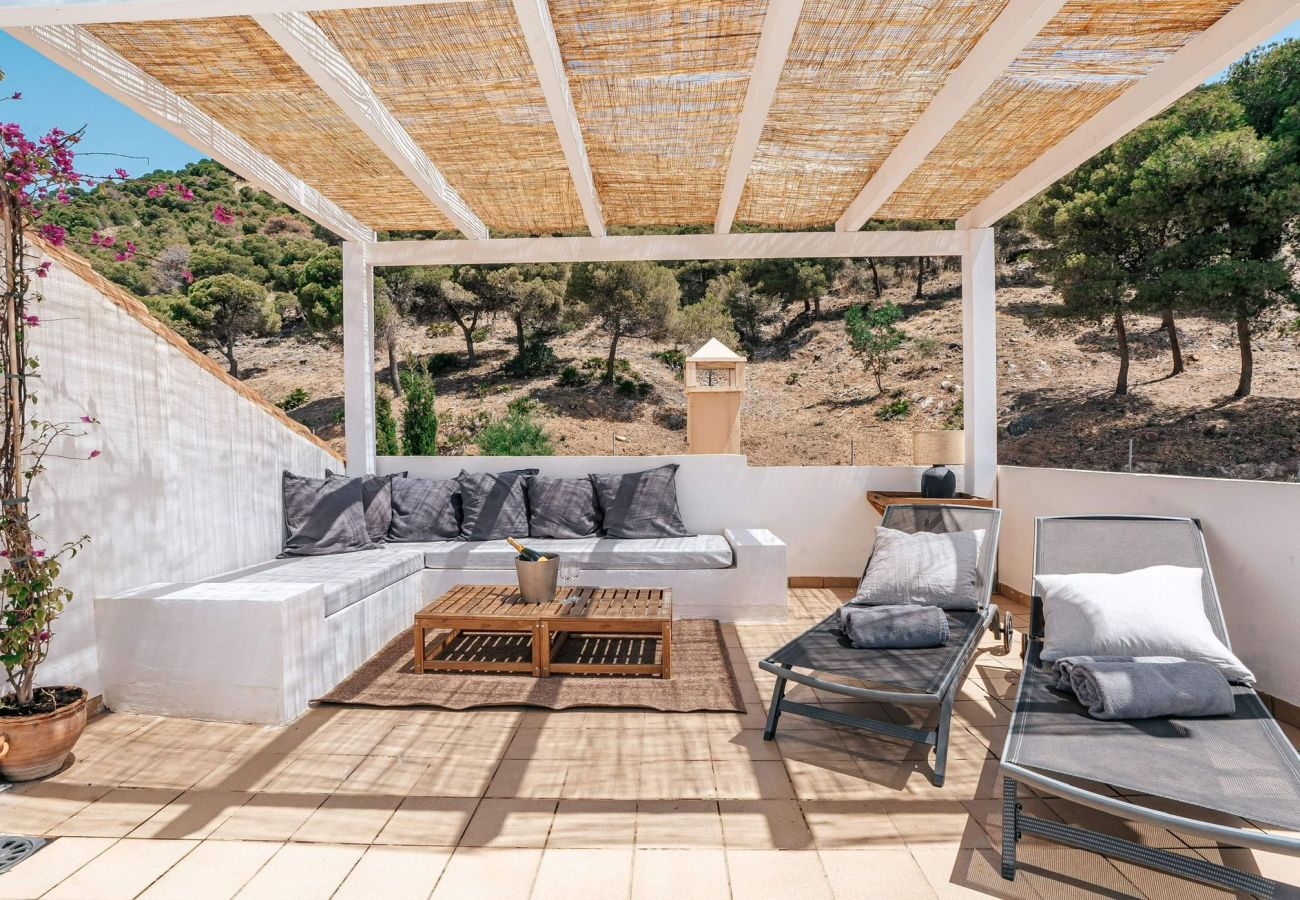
524, 553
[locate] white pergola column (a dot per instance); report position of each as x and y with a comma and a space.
979, 361
359, 358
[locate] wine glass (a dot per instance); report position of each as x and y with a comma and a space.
568, 576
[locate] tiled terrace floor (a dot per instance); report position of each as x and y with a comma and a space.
351, 803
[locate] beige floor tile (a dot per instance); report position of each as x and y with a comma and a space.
123, 870
194, 814
678, 824
850, 825
428, 821
484, 873
593, 824
214, 870
43, 805
741, 746
764, 825
58, 861
1055, 871
347, 819
685, 779
314, 773
528, 778
757, 780
516, 822
833, 777
1283, 869
303, 872
662, 874
884, 873
965, 872
175, 767
763, 874
583, 875
393, 776
117, 813
455, 777
244, 772
936, 823
1095, 820
394, 873
269, 817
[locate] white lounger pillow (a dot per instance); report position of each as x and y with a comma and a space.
923, 569
1157, 611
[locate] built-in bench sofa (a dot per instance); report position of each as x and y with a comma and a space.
258, 643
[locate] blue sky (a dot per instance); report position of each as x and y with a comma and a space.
54, 97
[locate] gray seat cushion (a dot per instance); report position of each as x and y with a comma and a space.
704, 551
345, 577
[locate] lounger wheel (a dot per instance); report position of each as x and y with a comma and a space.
1002, 626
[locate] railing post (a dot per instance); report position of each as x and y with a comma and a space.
358, 358
979, 361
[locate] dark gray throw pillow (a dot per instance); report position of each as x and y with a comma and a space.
424, 509
640, 504
323, 516
562, 508
494, 504
377, 500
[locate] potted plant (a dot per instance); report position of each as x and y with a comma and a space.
38, 724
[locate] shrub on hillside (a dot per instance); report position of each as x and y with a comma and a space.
296, 398
420, 418
386, 443
536, 359
515, 434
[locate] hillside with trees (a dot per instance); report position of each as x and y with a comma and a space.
1147, 301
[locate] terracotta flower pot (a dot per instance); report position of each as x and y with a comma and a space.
39, 745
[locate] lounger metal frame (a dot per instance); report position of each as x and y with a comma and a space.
1016, 823
943, 696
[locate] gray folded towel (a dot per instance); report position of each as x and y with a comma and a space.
1062, 668
894, 627
1148, 690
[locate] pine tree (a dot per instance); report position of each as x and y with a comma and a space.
386, 443
420, 419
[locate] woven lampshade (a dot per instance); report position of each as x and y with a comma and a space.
938, 448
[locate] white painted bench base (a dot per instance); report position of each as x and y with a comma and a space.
259, 652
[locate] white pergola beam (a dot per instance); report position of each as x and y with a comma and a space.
666, 247
779, 24
358, 359
1245, 27
17, 13
539, 33
81, 53
300, 37
1009, 34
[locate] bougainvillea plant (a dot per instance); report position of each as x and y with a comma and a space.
33, 175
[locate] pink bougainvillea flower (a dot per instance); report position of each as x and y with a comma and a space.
33, 321
223, 215
87, 419
186, 194
38, 554
121, 173
93, 454
156, 191
188, 276
45, 636
4, 554
55, 234
43, 270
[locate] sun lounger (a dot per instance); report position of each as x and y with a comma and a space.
929, 677
1240, 765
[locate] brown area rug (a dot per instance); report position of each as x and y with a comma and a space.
702, 678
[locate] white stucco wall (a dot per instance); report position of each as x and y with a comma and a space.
188, 483
1252, 530
821, 512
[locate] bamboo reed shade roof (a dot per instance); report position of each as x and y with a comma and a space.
1089, 54
658, 89
459, 78
858, 75
658, 86
232, 70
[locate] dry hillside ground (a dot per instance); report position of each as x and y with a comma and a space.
810, 402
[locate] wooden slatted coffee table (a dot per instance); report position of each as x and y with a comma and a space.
485, 611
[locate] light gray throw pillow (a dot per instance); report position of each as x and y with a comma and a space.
323, 516
641, 504
424, 509
1156, 611
562, 508
923, 569
377, 500
494, 504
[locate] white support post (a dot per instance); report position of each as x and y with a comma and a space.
359, 358
979, 361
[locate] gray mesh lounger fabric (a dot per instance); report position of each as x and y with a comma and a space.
824, 649
928, 677
1241, 764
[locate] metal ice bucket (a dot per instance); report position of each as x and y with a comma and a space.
537, 579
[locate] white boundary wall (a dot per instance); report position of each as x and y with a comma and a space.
1251, 529
821, 512
188, 483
